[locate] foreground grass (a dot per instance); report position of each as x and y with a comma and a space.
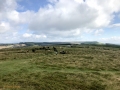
82, 68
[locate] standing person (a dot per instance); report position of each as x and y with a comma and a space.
56, 51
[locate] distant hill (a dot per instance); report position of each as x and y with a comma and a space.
90, 42
44, 43
60, 43
23, 44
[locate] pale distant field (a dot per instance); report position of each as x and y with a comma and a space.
11, 46
2, 47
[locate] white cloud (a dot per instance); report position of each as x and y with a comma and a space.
64, 16
27, 35
52, 1
59, 19
5, 27
59, 16
113, 39
7, 5
13, 16
115, 25
11, 20
35, 36
99, 32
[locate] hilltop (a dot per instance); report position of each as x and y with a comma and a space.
26, 44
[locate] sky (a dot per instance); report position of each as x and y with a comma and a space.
59, 21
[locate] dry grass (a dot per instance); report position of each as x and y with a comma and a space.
82, 68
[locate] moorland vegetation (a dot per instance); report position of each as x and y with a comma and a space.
81, 67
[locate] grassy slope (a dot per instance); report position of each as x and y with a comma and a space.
82, 68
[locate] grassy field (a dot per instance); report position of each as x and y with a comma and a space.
81, 68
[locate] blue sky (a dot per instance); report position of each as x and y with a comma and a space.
31, 5
59, 20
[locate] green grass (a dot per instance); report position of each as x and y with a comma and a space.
82, 68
